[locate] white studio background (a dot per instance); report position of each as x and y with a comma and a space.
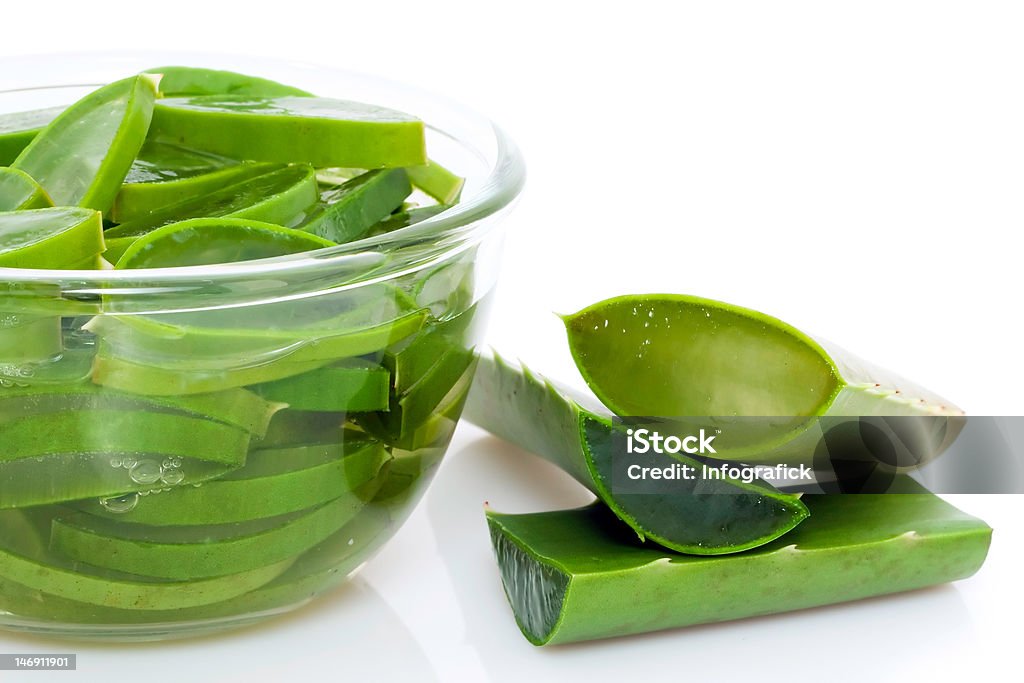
852, 168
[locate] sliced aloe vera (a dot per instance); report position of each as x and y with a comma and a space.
49, 238
281, 197
438, 182
717, 516
354, 207
669, 355
188, 553
27, 564
318, 131
84, 154
403, 219
18, 129
273, 482
18, 192
352, 387
184, 81
165, 175
577, 575
29, 339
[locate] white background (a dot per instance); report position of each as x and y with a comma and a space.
852, 168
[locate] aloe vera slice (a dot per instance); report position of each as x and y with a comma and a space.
574, 575
322, 132
403, 219
29, 339
352, 387
49, 238
84, 154
18, 129
18, 192
437, 181
165, 175
187, 553
182, 81
720, 516
281, 197
354, 207
24, 563
273, 482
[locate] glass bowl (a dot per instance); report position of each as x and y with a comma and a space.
193, 449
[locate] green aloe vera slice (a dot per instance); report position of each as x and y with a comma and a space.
354, 207
280, 197
57, 457
577, 575
165, 175
437, 181
322, 132
28, 339
273, 482
720, 516
18, 192
668, 355
18, 129
186, 81
49, 238
188, 553
352, 387
25, 562
84, 154
403, 219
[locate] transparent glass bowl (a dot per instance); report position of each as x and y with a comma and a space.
188, 450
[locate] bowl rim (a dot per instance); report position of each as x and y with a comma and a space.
449, 232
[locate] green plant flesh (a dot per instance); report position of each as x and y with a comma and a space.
353, 208
725, 516
186, 81
18, 129
578, 575
18, 192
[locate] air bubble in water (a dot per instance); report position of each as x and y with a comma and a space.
120, 504
145, 472
116, 462
172, 477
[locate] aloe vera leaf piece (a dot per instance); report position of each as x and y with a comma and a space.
185, 81
52, 458
22, 562
29, 339
165, 175
695, 356
49, 238
403, 219
186, 553
18, 129
354, 207
574, 575
273, 482
726, 516
437, 182
280, 197
352, 387
19, 192
318, 131
84, 154
234, 407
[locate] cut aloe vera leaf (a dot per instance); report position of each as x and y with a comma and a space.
318, 131
84, 154
273, 482
18, 129
235, 407
355, 386
18, 192
670, 355
22, 561
715, 517
574, 575
354, 207
166, 175
299, 428
29, 339
280, 197
49, 238
205, 241
403, 219
187, 553
437, 181
187, 81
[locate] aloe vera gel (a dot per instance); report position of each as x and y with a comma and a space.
197, 436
